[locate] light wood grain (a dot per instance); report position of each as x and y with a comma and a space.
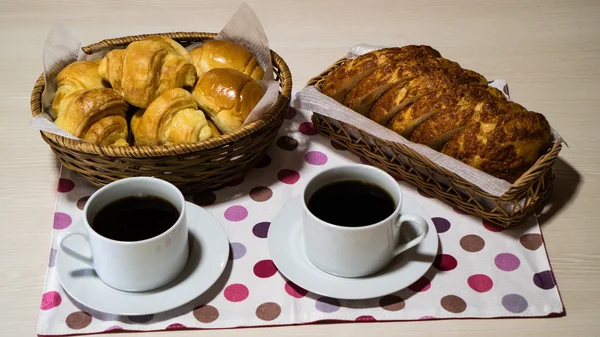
548, 50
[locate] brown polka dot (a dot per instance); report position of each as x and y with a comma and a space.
472, 243
338, 146
235, 181
261, 193
204, 198
263, 162
268, 311
78, 320
287, 143
206, 313
453, 303
81, 202
531, 241
391, 303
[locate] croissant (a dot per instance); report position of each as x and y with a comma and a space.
225, 54
80, 75
227, 96
95, 115
433, 101
173, 118
148, 68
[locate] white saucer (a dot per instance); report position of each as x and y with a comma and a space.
286, 248
209, 252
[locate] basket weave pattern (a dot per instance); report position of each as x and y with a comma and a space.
192, 168
401, 161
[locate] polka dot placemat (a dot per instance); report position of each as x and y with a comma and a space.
481, 270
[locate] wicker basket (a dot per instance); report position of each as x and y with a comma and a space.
191, 167
401, 161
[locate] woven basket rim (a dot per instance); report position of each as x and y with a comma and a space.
516, 188
229, 139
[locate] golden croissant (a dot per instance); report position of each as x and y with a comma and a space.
173, 118
148, 68
95, 115
433, 101
80, 75
225, 54
227, 96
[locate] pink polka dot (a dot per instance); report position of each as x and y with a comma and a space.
426, 318
236, 292
507, 262
315, 158
295, 290
65, 185
265, 269
307, 128
61, 220
365, 318
445, 262
491, 227
236, 213
50, 300
480, 283
422, 284
289, 177
176, 326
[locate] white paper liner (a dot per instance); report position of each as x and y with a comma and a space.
63, 47
311, 99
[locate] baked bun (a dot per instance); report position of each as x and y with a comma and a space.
173, 118
225, 54
227, 96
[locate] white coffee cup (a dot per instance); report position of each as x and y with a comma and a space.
137, 265
356, 251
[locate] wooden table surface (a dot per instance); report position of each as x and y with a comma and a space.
548, 50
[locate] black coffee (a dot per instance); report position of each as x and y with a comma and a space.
135, 218
351, 203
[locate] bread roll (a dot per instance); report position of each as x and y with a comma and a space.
95, 115
80, 75
148, 68
173, 118
227, 96
225, 54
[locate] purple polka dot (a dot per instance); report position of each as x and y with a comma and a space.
459, 211
289, 177
238, 250
65, 185
52, 259
364, 161
141, 319
514, 303
423, 193
544, 280
261, 229
61, 220
113, 328
236, 213
327, 304
507, 262
315, 158
441, 225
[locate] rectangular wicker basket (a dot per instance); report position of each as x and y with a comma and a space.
192, 168
401, 161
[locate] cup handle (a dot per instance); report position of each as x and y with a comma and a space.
414, 219
72, 232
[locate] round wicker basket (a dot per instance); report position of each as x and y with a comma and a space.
192, 168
